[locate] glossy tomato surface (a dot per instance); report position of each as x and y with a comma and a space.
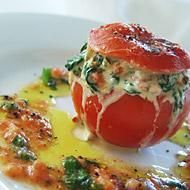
131, 121
139, 47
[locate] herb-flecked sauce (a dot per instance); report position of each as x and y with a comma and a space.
37, 146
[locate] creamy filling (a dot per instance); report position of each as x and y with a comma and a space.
103, 75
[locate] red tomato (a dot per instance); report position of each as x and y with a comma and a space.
130, 119
133, 121
139, 47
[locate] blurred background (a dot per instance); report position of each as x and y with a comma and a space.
169, 18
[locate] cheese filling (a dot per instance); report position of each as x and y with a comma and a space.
103, 75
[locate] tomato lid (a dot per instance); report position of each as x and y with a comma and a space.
139, 47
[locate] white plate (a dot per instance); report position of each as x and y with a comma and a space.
29, 42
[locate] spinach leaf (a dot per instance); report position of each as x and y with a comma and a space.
98, 59
87, 74
167, 82
178, 99
76, 60
90, 68
73, 63
19, 141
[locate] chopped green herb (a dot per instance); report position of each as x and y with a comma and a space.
8, 106
167, 83
130, 88
47, 78
52, 84
84, 47
25, 154
19, 141
76, 177
46, 75
87, 74
71, 164
98, 59
20, 146
74, 64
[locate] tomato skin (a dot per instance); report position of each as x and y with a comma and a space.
130, 125
92, 108
77, 93
131, 119
139, 47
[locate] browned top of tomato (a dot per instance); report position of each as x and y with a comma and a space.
136, 45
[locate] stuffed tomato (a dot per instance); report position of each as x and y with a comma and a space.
130, 87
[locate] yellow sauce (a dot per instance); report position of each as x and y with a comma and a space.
38, 91
2, 115
182, 137
182, 173
65, 143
